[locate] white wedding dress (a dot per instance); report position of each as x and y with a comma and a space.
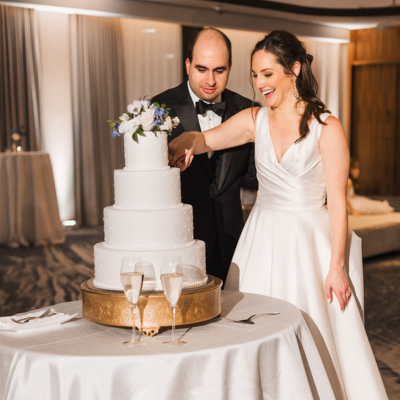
284, 252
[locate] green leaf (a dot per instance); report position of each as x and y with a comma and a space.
119, 121
134, 137
112, 125
130, 114
163, 105
139, 131
156, 104
109, 120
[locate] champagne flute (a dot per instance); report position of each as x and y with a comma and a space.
149, 275
132, 280
172, 282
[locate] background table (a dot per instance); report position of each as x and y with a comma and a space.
272, 359
28, 203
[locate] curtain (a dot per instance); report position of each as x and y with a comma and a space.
19, 78
153, 59
98, 94
329, 68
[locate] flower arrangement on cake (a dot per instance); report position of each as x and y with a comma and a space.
143, 116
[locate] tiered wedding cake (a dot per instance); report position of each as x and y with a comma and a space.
148, 220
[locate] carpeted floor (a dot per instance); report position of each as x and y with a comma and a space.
382, 316
37, 277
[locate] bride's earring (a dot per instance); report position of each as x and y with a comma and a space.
295, 92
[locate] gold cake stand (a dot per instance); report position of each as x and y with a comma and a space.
109, 307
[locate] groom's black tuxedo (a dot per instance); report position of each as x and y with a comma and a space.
212, 186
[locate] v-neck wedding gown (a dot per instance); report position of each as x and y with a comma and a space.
284, 252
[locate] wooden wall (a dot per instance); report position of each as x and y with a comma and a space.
374, 67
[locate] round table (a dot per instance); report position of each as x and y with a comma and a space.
28, 203
276, 358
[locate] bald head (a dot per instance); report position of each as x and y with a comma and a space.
209, 32
208, 64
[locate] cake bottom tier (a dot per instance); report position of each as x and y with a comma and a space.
107, 264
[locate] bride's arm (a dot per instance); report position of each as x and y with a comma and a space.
236, 131
336, 159
350, 207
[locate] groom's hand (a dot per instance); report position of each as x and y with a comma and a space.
181, 150
182, 163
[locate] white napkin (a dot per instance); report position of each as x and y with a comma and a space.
6, 324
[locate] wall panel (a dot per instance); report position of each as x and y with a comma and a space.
378, 45
374, 57
374, 127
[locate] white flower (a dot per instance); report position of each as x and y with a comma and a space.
124, 128
135, 107
129, 126
124, 117
167, 125
145, 104
176, 121
146, 119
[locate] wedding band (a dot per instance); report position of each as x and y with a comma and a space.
174, 158
348, 294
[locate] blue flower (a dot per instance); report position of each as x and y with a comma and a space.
159, 112
115, 133
158, 122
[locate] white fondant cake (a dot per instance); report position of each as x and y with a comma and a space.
148, 220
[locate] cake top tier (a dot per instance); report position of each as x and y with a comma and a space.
148, 152
145, 126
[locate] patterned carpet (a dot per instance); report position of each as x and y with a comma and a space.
38, 277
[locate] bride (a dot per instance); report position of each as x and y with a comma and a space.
293, 248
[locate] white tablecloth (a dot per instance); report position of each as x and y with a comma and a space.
28, 203
274, 359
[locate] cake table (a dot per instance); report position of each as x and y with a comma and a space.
276, 358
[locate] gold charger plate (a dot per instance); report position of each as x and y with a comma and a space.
109, 307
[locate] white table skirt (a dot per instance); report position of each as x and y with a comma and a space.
28, 202
274, 359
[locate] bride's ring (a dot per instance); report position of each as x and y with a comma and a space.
348, 294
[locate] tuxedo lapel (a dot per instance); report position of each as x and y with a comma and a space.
231, 109
186, 113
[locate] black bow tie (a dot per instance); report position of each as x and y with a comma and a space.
202, 107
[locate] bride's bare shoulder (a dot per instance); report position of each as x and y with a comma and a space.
332, 138
333, 122
332, 126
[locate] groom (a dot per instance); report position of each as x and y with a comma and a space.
212, 182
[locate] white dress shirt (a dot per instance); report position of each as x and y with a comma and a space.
207, 121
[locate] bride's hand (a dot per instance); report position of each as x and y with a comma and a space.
338, 282
180, 163
181, 150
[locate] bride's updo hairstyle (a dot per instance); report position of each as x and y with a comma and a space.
287, 49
